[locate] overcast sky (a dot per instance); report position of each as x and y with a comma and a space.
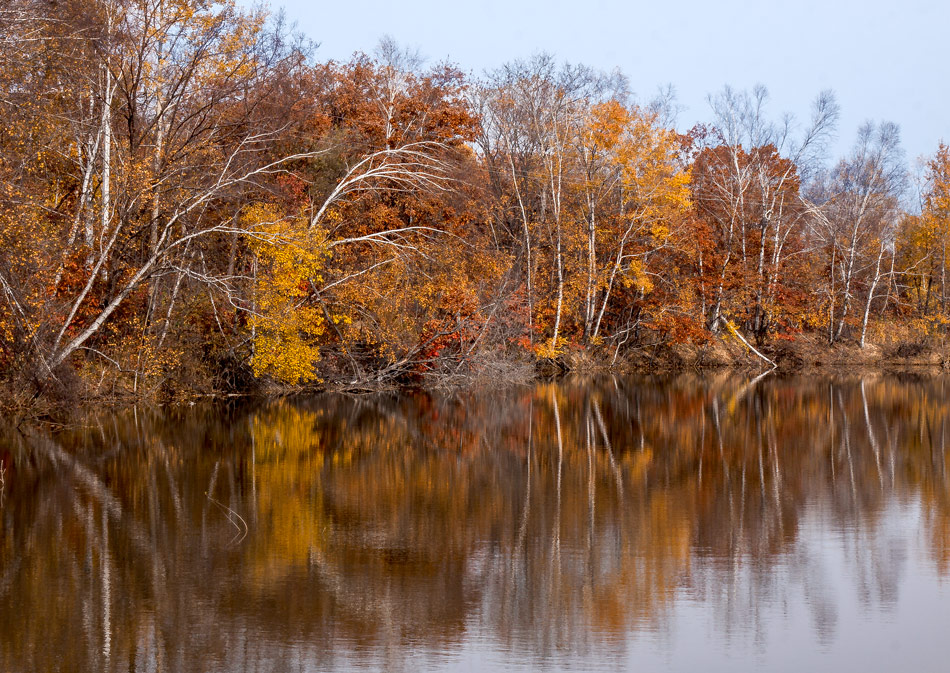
884, 60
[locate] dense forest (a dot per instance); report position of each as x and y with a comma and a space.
191, 202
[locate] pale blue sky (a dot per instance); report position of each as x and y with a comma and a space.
884, 60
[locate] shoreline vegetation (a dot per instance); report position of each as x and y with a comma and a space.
713, 358
193, 204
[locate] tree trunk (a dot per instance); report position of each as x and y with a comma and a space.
867, 305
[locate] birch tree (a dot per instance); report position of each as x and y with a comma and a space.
161, 146
749, 191
859, 217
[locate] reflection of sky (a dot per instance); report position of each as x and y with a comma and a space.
853, 598
846, 599
885, 60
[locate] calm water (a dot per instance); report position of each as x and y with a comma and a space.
713, 524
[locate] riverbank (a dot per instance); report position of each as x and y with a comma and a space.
804, 353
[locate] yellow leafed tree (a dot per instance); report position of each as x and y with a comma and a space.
285, 323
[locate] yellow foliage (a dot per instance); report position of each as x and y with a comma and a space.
286, 325
734, 331
548, 350
637, 277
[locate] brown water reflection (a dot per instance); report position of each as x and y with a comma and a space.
721, 523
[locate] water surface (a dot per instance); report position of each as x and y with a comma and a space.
690, 523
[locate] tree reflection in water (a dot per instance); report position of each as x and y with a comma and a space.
550, 524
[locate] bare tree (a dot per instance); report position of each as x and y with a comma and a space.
857, 213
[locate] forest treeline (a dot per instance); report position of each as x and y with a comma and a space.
191, 201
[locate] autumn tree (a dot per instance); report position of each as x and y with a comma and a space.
922, 241
162, 138
635, 180
746, 184
405, 282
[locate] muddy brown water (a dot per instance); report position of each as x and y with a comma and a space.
672, 524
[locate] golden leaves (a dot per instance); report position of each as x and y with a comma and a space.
636, 276
285, 322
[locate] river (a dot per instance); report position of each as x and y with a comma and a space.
717, 523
